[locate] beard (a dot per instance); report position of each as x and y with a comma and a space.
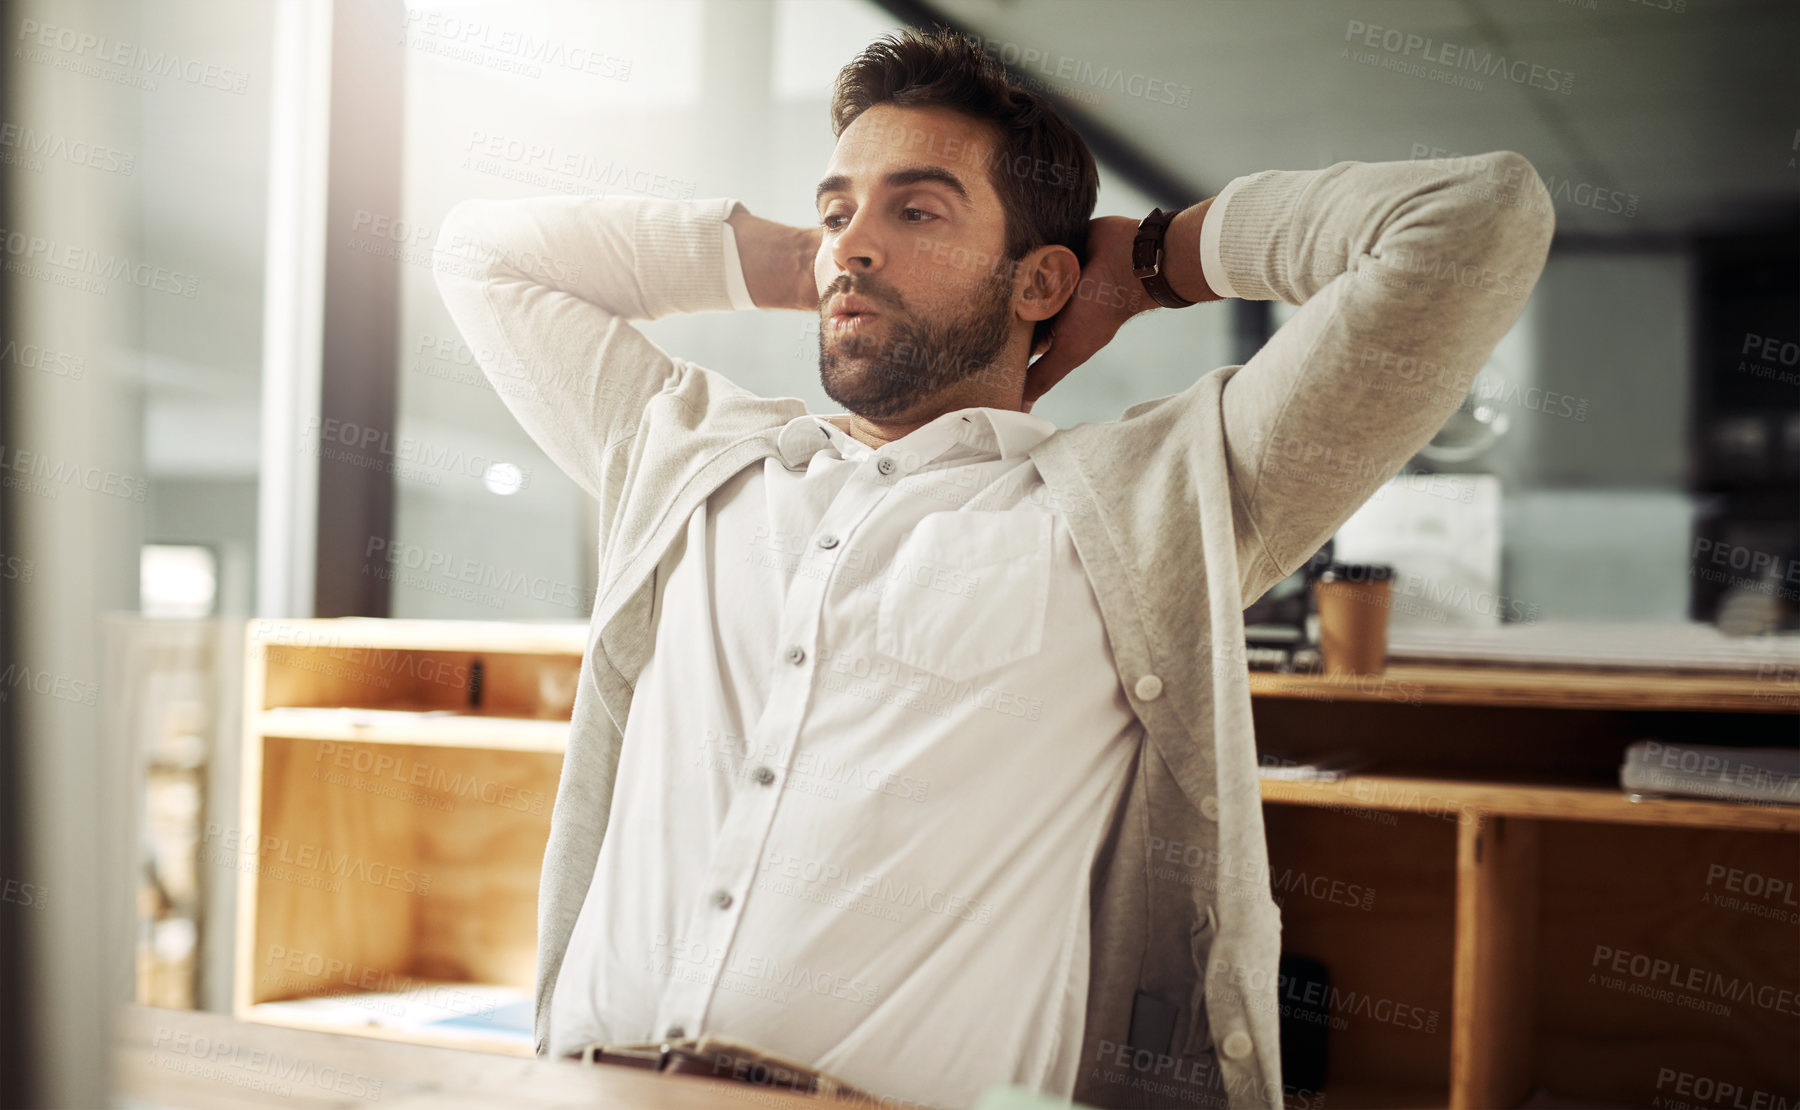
903, 360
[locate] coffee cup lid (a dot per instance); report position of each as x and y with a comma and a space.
1356, 572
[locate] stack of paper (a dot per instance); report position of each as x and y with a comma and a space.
477, 1011
1765, 775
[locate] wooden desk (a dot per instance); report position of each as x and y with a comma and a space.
200, 1061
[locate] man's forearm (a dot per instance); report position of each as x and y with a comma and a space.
778, 261
1181, 254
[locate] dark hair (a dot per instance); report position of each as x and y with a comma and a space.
1041, 167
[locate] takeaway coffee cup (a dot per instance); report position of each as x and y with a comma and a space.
1353, 600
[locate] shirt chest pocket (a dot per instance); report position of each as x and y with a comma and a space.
966, 592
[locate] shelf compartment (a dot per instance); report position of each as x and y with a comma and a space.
523, 671
424, 870
1373, 898
1682, 896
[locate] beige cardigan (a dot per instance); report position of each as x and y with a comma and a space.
1184, 510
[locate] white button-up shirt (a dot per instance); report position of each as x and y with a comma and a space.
865, 773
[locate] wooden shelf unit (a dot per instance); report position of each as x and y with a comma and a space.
397, 787
1498, 876
1492, 847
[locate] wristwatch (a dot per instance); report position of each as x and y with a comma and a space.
1147, 260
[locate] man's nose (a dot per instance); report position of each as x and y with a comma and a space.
856, 247
853, 262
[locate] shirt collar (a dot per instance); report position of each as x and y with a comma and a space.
1004, 432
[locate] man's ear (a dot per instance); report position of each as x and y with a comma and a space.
1048, 277
1046, 280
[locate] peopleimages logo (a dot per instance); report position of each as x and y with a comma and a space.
693, 960
33, 356
63, 688
26, 466
1030, 62
369, 445
280, 857
1654, 972
1467, 59
565, 170
256, 1069
67, 264
407, 771
28, 147
1713, 1093
429, 564
505, 48
86, 53
1582, 194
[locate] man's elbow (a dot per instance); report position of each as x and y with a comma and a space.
1536, 208
1489, 229
459, 250
1512, 199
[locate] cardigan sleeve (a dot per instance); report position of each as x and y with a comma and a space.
1407, 275
544, 291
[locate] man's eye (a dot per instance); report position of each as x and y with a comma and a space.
920, 211
829, 224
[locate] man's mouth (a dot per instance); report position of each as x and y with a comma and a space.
852, 321
851, 304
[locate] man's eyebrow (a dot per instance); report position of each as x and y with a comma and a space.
898, 179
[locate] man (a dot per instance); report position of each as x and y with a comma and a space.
913, 742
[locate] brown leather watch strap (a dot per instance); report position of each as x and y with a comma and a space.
1147, 259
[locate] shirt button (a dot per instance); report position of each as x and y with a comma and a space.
675, 1032
764, 776
1237, 1045
1149, 687
722, 899
1209, 805
796, 654
886, 466
828, 541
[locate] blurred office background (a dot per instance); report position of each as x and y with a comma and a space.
231, 390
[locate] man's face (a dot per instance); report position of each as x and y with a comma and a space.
916, 292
